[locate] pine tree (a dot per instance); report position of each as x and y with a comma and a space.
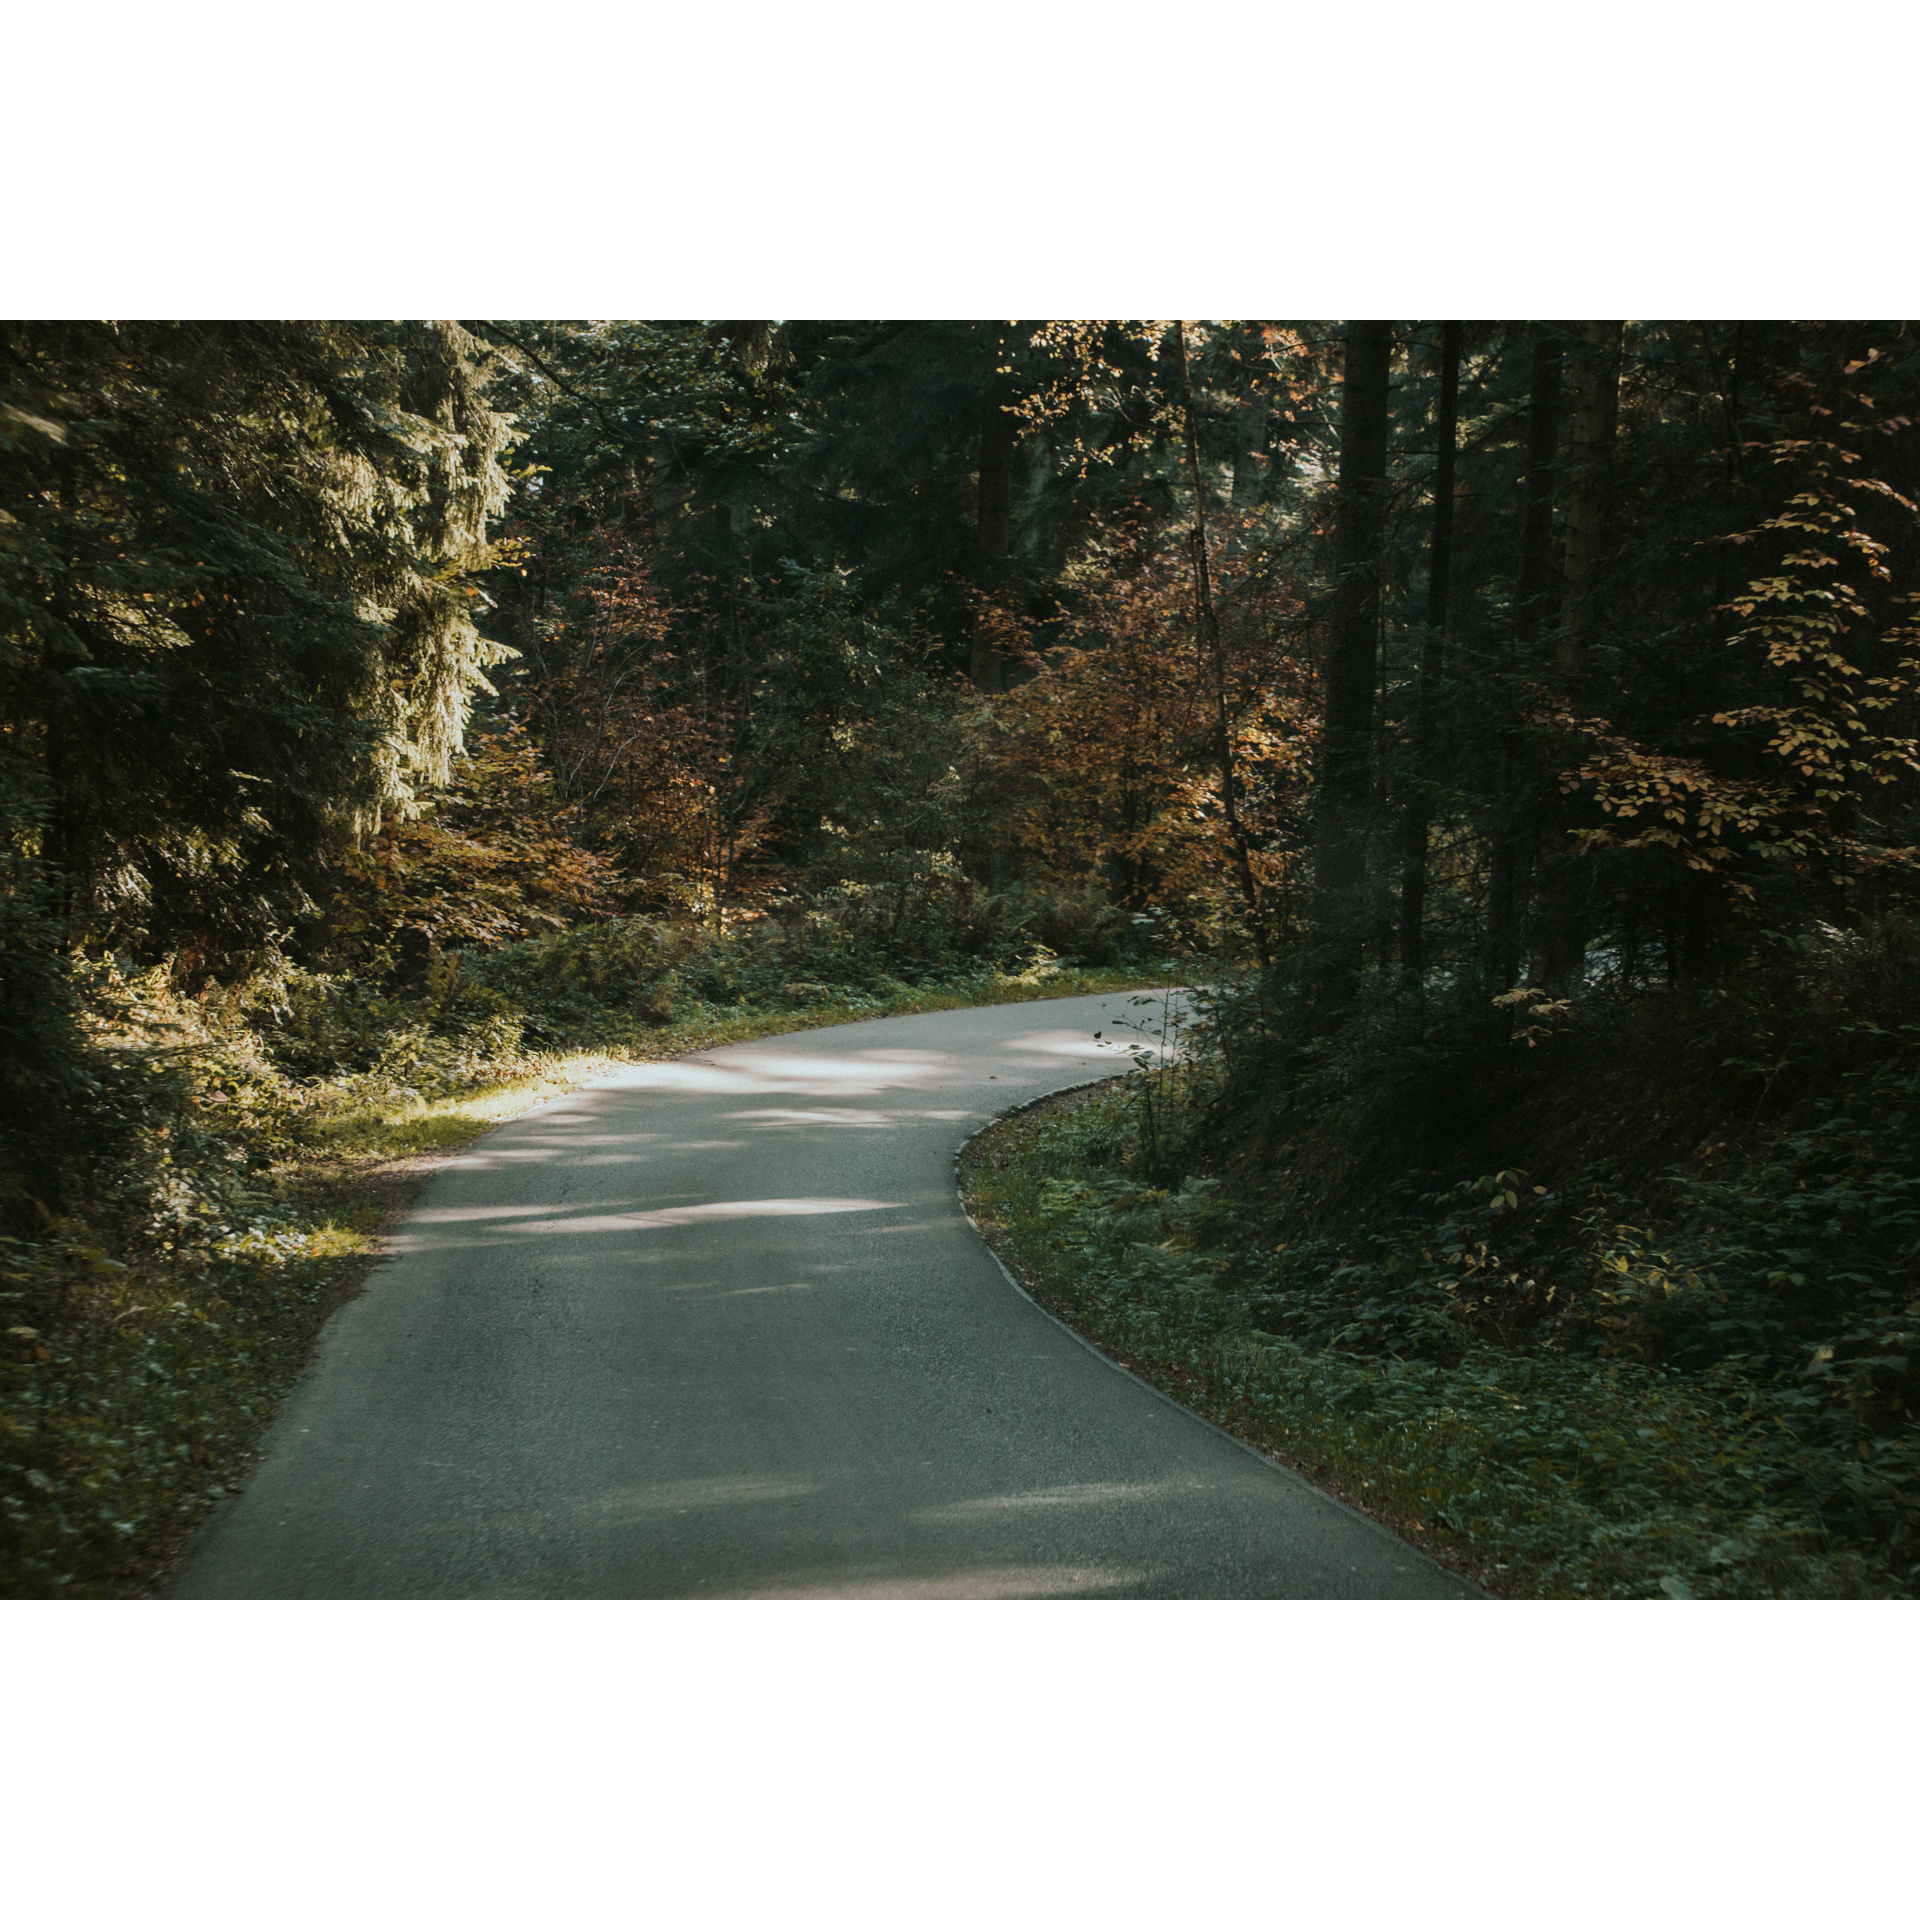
237, 619
1346, 737
235, 629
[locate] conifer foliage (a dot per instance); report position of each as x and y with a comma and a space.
236, 628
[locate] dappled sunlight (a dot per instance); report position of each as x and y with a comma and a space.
1028, 1582
614, 1140
865, 1071
695, 1216
488, 1224
1100, 1493
718, 1289
759, 1117
1071, 1043
464, 1216
741, 1071
506, 1100
493, 1156
684, 1496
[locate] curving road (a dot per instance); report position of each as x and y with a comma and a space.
718, 1326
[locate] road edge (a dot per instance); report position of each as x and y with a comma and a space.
1271, 1461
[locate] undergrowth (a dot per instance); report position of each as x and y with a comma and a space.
1697, 1405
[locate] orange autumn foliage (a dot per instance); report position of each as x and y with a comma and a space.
638, 736
1110, 765
492, 858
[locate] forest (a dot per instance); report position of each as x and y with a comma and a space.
1507, 727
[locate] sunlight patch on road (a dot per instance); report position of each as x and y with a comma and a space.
759, 1117
870, 1071
695, 1216
1067, 1043
460, 1216
1093, 1493
566, 1140
1042, 1582
682, 1496
479, 1162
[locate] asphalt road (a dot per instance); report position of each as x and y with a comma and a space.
718, 1327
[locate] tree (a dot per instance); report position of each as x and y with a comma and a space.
1418, 818
1588, 490
1110, 773
993, 520
236, 630
1207, 629
1512, 822
1343, 789
238, 618
1809, 793
494, 857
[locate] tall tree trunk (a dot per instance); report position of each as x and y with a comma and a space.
1533, 587
993, 523
1209, 628
1346, 732
993, 535
1419, 815
1250, 427
1596, 407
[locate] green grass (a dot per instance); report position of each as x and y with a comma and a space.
1539, 1474
133, 1387
127, 1423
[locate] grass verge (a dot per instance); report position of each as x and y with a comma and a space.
1537, 1474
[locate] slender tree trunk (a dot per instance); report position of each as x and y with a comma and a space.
1360, 509
1596, 407
60, 849
1532, 589
993, 535
1209, 626
1419, 815
1250, 426
993, 525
